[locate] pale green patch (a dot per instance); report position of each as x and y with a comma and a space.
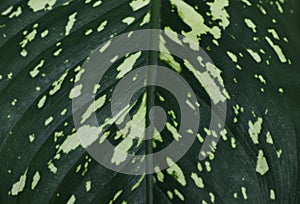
277, 50
173, 131
88, 32
159, 174
269, 138
97, 3
7, 11
272, 194
52, 167
212, 197
75, 92
138, 4
57, 84
127, 64
24, 53
48, 121
31, 137
247, 2
255, 129
244, 192
250, 24
42, 102
36, 70
70, 24
262, 9
233, 142
218, 12
105, 46
57, 52
138, 183
90, 133
44, 33
254, 55
223, 134
128, 20
71, 200
197, 180
70, 143
16, 13
96, 105
179, 195
279, 7
172, 35
176, 171
120, 152
18, 187
14, 102
58, 135
10, 75
262, 166
200, 138
261, 78
170, 195
207, 166
196, 22
88, 186
63, 112
281, 90
146, 19
102, 26
28, 38
36, 179
232, 56
274, 33
207, 80
37, 5
116, 196
166, 56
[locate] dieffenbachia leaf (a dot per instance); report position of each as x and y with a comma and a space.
254, 47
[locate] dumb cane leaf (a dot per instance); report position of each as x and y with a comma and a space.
253, 45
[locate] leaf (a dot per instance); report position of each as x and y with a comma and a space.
254, 47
